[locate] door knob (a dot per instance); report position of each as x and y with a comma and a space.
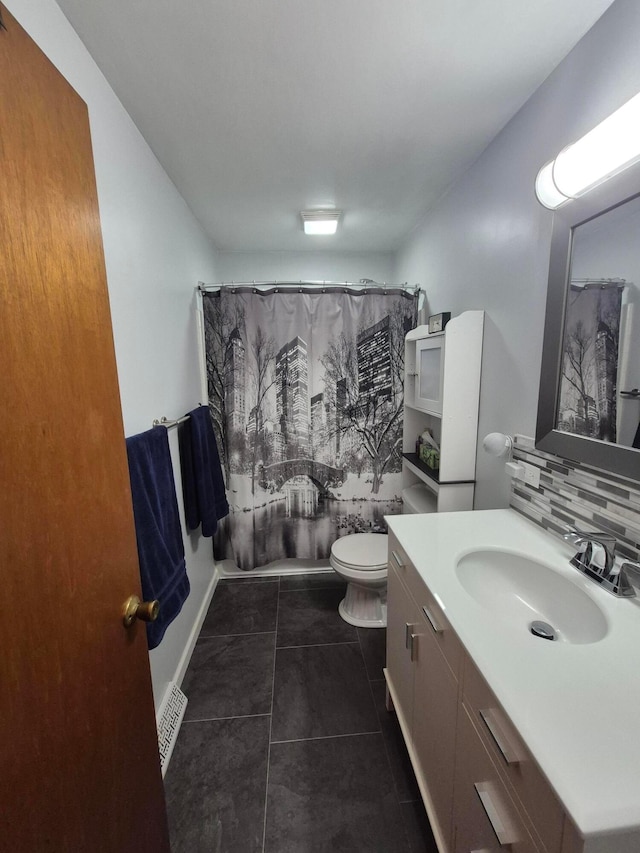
133, 609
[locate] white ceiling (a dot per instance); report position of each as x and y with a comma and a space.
258, 109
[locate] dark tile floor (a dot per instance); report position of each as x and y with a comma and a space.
286, 746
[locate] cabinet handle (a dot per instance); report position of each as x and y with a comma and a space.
397, 559
506, 750
504, 832
407, 633
437, 629
414, 637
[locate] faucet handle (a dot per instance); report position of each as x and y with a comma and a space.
597, 535
629, 567
578, 537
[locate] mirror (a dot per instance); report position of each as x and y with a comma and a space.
589, 402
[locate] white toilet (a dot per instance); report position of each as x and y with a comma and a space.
361, 559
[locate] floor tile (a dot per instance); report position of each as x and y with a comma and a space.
319, 580
321, 691
333, 795
216, 786
373, 642
311, 617
241, 608
230, 677
418, 828
403, 775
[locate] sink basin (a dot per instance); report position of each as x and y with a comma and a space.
519, 591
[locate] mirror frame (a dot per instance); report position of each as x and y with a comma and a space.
576, 448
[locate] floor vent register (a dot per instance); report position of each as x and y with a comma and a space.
168, 719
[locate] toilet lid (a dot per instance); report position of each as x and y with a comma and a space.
362, 550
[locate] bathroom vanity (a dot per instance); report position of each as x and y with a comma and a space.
518, 742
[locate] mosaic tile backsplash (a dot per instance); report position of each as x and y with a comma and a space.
578, 495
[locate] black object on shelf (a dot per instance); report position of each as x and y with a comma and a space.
432, 473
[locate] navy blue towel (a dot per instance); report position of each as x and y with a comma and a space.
158, 532
205, 499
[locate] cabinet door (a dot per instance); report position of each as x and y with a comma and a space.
485, 817
435, 702
402, 619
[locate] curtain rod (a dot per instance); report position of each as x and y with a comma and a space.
362, 284
594, 283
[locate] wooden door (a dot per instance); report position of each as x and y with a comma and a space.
79, 767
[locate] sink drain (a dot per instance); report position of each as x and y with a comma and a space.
542, 629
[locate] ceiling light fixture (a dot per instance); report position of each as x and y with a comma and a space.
608, 149
320, 221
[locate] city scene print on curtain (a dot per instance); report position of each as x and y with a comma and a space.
306, 397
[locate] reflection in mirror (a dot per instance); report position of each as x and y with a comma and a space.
589, 405
600, 368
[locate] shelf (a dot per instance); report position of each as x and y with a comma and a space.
415, 408
429, 475
419, 498
455, 425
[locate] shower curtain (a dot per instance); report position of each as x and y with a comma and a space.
306, 397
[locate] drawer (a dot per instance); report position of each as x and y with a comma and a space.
513, 759
485, 816
447, 639
398, 558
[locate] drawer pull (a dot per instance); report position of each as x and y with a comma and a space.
407, 633
504, 833
397, 560
506, 750
414, 637
432, 621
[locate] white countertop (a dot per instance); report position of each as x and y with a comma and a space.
576, 706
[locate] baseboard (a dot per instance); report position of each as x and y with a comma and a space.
183, 663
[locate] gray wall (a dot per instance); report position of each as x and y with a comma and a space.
314, 265
486, 243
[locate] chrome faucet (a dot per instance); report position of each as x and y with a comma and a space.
598, 561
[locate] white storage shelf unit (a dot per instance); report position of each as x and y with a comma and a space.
443, 393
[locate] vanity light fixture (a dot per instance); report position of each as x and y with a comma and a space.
608, 149
320, 221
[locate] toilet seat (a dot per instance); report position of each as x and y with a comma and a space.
363, 552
